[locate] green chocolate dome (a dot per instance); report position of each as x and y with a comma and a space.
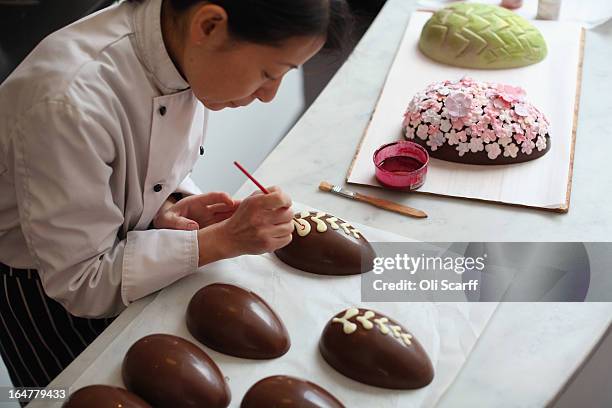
483, 36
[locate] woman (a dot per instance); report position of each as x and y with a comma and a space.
100, 127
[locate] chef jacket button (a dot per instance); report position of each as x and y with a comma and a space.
201, 150
162, 110
157, 188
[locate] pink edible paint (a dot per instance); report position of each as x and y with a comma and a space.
512, 4
401, 165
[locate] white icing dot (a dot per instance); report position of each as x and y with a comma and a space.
365, 320
321, 226
302, 227
347, 326
332, 222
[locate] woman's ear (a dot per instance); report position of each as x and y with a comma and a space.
208, 26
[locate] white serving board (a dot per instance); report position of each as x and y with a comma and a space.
305, 302
552, 85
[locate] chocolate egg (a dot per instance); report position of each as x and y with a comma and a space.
282, 391
473, 122
373, 349
104, 396
235, 321
326, 245
169, 371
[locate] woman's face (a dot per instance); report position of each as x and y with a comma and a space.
225, 73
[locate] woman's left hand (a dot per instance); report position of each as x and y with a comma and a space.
195, 212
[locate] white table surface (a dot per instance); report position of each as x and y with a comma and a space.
528, 352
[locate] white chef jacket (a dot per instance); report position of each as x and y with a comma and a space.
92, 123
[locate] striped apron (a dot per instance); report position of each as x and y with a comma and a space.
38, 337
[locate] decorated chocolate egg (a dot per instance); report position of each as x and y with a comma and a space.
474, 122
235, 321
282, 391
373, 349
169, 371
326, 245
104, 396
484, 36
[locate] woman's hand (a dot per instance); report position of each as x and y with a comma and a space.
261, 223
195, 212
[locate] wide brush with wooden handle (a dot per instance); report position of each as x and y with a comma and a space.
377, 202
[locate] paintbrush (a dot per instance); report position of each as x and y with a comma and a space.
377, 202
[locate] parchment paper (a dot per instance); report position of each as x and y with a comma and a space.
551, 85
305, 302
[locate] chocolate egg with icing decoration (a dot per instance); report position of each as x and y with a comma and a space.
326, 245
169, 371
104, 396
373, 349
282, 391
235, 321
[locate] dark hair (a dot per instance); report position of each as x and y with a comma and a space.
272, 21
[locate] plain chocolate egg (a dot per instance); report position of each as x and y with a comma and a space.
373, 349
169, 371
236, 321
326, 245
282, 391
104, 396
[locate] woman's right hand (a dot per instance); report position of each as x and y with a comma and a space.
261, 223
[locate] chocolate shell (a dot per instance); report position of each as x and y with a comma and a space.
235, 321
373, 349
474, 122
326, 245
482, 36
104, 396
281, 391
169, 371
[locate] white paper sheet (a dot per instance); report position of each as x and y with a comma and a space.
305, 302
550, 85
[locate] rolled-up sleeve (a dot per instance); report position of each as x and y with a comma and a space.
64, 167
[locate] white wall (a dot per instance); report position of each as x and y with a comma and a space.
247, 135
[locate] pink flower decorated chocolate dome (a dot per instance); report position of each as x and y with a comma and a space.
474, 122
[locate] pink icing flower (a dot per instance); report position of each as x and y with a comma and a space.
521, 109
541, 143
455, 137
406, 120
519, 137
436, 140
527, 147
434, 105
493, 150
476, 144
422, 131
504, 140
457, 123
445, 125
511, 150
463, 148
499, 103
505, 116
489, 135
530, 134
510, 93
458, 104
477, 129
491, 111
409, 132
433, 129
498, 127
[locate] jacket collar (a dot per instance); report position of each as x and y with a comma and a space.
150, 47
